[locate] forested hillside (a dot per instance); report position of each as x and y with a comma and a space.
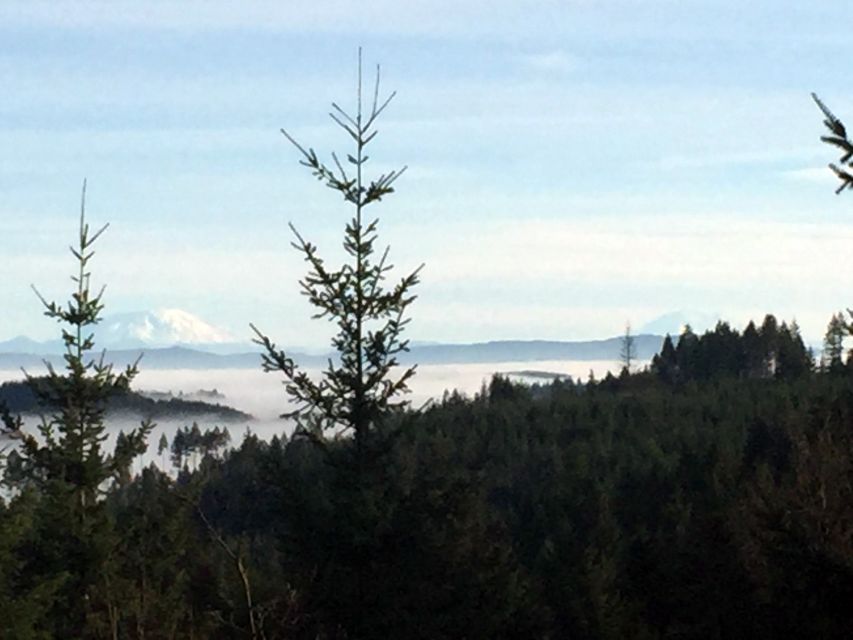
681, 502
19, 397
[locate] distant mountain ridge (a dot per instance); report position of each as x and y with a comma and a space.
143, 330
175, 339
174, 335
646, 346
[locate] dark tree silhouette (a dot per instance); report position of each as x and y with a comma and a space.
838, 138
627, 349
356, 392
68, 462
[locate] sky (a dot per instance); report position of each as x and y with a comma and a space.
573, 165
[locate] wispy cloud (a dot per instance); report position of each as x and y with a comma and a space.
421, 17
818, 175
552, 61
765, 156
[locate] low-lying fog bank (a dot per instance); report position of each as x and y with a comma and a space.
263, 396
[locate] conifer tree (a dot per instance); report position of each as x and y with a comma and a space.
10, 426
157, 542
687, 352
627, 349
837, 138
795, 359
71, 448
162, 448
769, 335
68, 462
831, 358
358, 391
665, 363
754, 353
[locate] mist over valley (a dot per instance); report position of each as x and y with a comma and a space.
262, 395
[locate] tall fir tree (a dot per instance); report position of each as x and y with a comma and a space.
627, 349
754, 355
795, 360
358, 397
68, 462
665, 363
832, 356
358, 391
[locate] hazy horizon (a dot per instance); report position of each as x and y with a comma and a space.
671, 323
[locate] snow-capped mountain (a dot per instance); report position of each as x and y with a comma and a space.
674, 322
160, 328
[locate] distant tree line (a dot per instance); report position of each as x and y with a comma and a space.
772, 350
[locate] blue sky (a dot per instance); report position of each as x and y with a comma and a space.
573, 165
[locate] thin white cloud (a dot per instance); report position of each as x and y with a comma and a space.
707, 253
495, 281
425, 17
817, 175
551, 61
686, 20
739, 158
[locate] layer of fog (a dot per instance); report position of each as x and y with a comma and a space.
263, 394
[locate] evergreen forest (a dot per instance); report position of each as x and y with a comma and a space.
707, 495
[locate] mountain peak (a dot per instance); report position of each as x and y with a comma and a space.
674, 322
161, 327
